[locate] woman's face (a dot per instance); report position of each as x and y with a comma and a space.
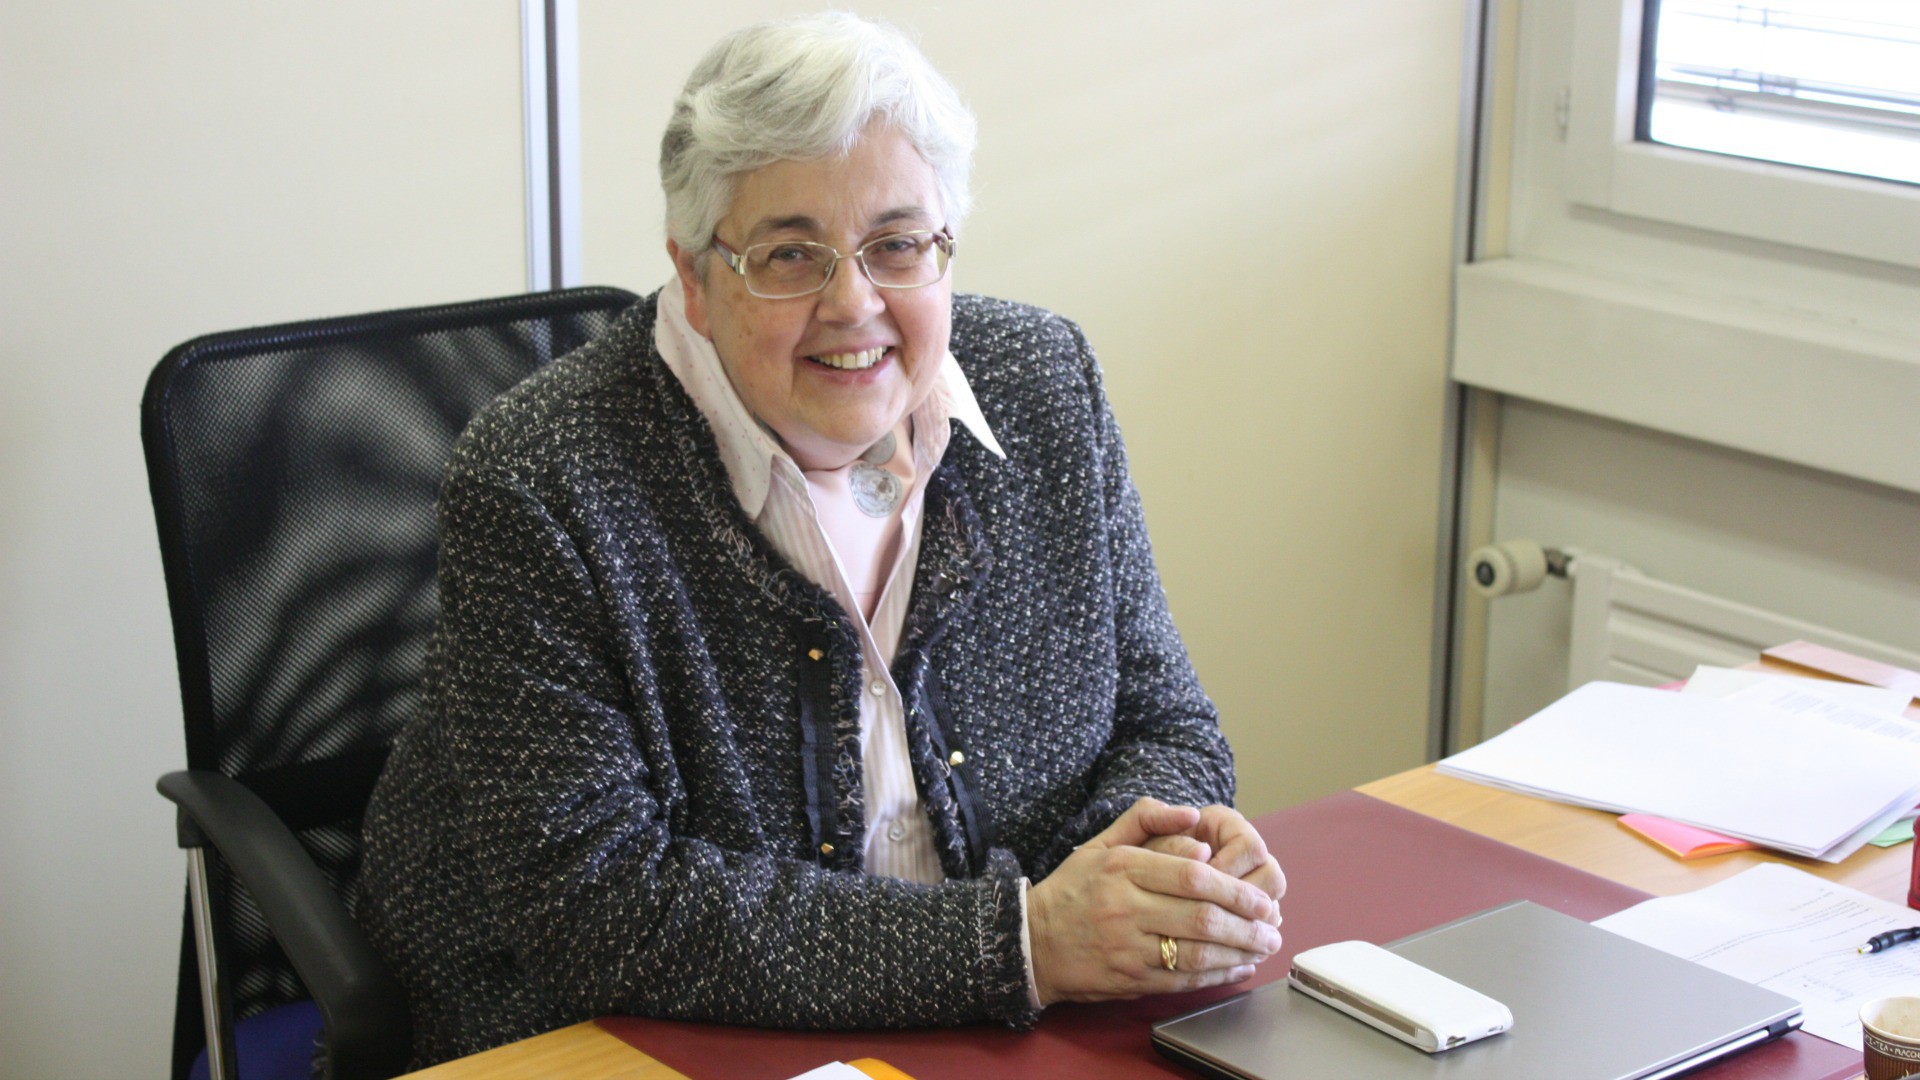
826, 416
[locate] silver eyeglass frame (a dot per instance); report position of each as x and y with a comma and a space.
737, 260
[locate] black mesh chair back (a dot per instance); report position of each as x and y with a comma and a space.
294, 470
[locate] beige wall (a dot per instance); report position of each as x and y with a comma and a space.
171, 170
1248, 206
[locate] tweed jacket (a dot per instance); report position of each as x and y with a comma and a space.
634, 783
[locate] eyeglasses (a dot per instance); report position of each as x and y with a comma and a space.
783, 269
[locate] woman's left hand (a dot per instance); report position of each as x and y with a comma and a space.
1225, 840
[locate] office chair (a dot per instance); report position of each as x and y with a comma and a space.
294, 470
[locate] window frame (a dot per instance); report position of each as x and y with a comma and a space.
1609, 169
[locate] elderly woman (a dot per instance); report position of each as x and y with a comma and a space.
802, 661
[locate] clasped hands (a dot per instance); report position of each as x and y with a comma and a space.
1202, 877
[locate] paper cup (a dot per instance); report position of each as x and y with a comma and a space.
1891, 1030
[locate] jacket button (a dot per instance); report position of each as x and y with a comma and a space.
826, 849
956, 758
814, 654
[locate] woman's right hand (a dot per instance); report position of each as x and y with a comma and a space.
1097, 920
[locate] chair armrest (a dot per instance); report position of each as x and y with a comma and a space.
369, 1029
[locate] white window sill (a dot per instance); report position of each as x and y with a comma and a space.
1779, 384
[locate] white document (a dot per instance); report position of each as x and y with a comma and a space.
1814, 700
1790, 932
1725, 682
1746, 771
833, 1070
1816, 704
1865, 834
1866, 708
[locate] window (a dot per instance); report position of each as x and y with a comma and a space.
1766, 307
1742, 73
1825, 84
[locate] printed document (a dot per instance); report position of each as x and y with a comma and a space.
1723, 682
1790, 932
1827, 708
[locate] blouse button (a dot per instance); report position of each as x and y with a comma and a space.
897, 830
878, 688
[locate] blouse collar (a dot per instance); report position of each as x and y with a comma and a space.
747, 448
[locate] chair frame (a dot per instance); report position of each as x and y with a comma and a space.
368, 1031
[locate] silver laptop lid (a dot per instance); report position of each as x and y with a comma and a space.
1587, 1005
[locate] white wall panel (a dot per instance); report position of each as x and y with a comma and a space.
1787, 539
1729, 413
1735, 375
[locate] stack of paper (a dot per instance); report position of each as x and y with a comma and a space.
1869, 708
1750, 772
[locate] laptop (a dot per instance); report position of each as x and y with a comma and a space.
1587, 1004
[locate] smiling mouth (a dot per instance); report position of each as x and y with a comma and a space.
852, 361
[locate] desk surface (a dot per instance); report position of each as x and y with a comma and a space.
1588, 839
581, 1052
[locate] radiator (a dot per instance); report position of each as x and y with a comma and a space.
1631, 628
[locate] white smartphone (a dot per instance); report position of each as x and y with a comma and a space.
1412, 1003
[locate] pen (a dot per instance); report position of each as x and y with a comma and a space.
1883, 942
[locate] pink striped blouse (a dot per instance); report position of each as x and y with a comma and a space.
870, 572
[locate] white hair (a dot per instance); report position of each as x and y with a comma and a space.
797, 90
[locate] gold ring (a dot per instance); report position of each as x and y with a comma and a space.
1169, 953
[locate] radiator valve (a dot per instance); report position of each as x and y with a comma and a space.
1513, 566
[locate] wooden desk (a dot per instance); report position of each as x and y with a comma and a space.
1588, 839
580, 1052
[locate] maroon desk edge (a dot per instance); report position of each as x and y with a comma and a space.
1356, 868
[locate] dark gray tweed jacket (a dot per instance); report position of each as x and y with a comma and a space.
633, 789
